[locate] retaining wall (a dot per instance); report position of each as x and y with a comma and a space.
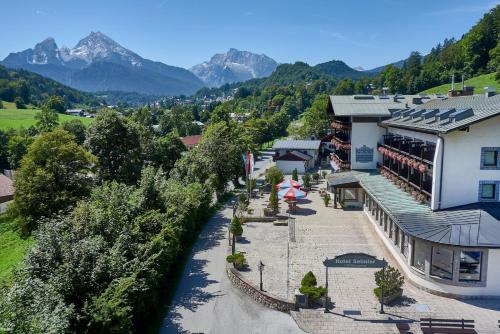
253, 292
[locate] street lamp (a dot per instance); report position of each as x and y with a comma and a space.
260, 266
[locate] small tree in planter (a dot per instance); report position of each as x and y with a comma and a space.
324, 173
295, 175
236, 228
316, 177
308, 286
243, 201
273, 199
326, 199
307, 180
238, 260
392, 281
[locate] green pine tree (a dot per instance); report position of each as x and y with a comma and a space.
273, 199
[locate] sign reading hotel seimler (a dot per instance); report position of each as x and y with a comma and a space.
355, 260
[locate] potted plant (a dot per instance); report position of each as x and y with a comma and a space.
326, 199
315, 177
324, 173
295, 175
238, 260
236, 228
308, 287
392, 281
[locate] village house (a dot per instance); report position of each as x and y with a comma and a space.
302, 155
427, 175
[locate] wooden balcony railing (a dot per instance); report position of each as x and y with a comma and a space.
341, 145
341, 125
342, 162
421, 192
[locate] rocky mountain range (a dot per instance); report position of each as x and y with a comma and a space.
98, 63
234, 66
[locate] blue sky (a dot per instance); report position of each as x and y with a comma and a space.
365, 33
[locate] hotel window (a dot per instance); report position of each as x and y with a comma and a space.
490, 158
404, 244
470, 266
442, 262
350, 194
396, 234
418, 260
488, 191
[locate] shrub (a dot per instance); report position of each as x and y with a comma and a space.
274, 175
324, 173
236, 227
315, 177
307, 180
19, 103
391, 280
309, 288
326, 199
243, 201
313, 292
295, 175
238, 260
273, 199
309, 280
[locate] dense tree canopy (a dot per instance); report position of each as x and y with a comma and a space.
53, 175
116, 144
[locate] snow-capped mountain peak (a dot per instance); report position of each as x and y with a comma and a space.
234, 66
99, 47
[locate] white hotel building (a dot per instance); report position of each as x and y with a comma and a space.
426, 170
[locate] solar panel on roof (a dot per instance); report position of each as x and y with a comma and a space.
444, 113
461, 114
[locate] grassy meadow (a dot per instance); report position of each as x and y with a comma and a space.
12, 248
478, 82
17, 118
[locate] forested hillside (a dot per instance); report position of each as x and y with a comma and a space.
29, 88
476, 53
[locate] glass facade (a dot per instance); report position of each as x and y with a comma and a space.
418, 260
470, 266
442, 262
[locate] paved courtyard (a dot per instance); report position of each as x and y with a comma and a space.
322, 232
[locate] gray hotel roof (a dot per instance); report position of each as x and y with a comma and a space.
296, 144
482, 107
370, 105
473, 225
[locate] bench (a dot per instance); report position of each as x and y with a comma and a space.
403, 327
447, 326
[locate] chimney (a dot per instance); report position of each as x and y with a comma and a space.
489, 91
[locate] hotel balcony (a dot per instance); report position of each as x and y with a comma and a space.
340, 144
412, 176
412, 148
341, 159
341, 125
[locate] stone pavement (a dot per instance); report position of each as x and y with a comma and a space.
205, 301
326, 232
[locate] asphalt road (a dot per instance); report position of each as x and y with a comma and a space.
206, 302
